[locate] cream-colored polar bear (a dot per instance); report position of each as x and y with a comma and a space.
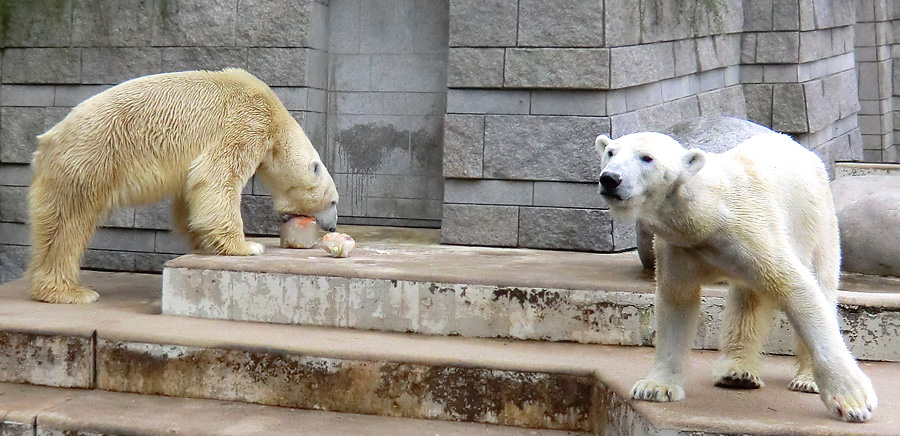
759, 216
194, 136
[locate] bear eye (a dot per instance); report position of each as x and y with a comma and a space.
609, 153
647, 158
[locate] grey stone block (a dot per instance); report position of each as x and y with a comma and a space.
748, 48
483, 23
293, 98
723, 102
344, 28
387, 25
72, 95
463, 146
781, 73
122, 217
488, 101
151, 262
431, 26
13, 262
590, 103
557, 68
865, 34
503, 192
14, 234
108, 260
41, 65
666, 20
14, 204
409, 73
390, 103
564, 23
26, 95
777, 47
475, 68
622, 22
718, 51
203, 58
642, 96
351, 72
317, 100
558, 148
564, 194
656, 117
480, 225
115, 65
15, 175
710, 80
171, 243
279, 66
404, 208
568, 229
36, 23
112, 23
123, 239
815, 45
273, 23
789, 108
686, 59
624, 235
390, 186
758, 15
259, 216
849, 97
157, 216
19, 128
821, 96
680, 87
194, 23
639, 64
867, 206
786, 16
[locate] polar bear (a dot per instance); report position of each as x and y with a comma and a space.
759, 216
194, 136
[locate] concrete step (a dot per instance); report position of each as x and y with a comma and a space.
35, 410
847, 169
123, 344
402, 280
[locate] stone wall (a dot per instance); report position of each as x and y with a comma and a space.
476, 115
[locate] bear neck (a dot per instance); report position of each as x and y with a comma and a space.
685, 216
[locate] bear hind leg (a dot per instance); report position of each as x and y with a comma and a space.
747, 320
805, 380
59, 236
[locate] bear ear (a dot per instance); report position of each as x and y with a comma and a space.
693, 161
315, 167
601, 142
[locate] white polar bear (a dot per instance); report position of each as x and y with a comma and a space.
759, 216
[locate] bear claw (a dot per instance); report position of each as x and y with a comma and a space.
738, 380
804, 383
659, 392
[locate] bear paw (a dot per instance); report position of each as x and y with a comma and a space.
76, 295
853, 402
733, 378
649, 390
246, 248
804, 383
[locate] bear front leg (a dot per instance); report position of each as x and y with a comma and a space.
746, 323
677, 315
843, 387
214, 211
181, 221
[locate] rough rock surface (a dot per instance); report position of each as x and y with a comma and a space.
868, 209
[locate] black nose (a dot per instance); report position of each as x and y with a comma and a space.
610, 181
332, 229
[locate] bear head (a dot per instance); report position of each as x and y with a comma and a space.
298, 180
641, 169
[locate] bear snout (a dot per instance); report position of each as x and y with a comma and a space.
610, 181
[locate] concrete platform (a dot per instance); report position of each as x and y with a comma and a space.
129, 346
402, 280
33, 410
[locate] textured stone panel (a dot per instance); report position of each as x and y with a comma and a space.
554, 401
273, 23
758, 98
570, 229
259, 215
480, 225
199, 293
73, 95
777, 47
789, 109
463, 146
387, 26
542, 148
564, 194
14, 204
115, 65
27, 95
477, 101
123, 239
588, 103
487, 192
45, 359
151, 262
15, 174
194, 23
409, 73
483, 23
108, 260
666, 20
557, 68
36, 23
279, 66
564, 23
822, 102
202, 58
112, 23
41, 65
475, 68
723, 102
758, 15
622, 19
640, 64
13, 261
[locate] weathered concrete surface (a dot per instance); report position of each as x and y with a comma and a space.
771, 410
868, 211
847, 169
402, 285
64, 412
